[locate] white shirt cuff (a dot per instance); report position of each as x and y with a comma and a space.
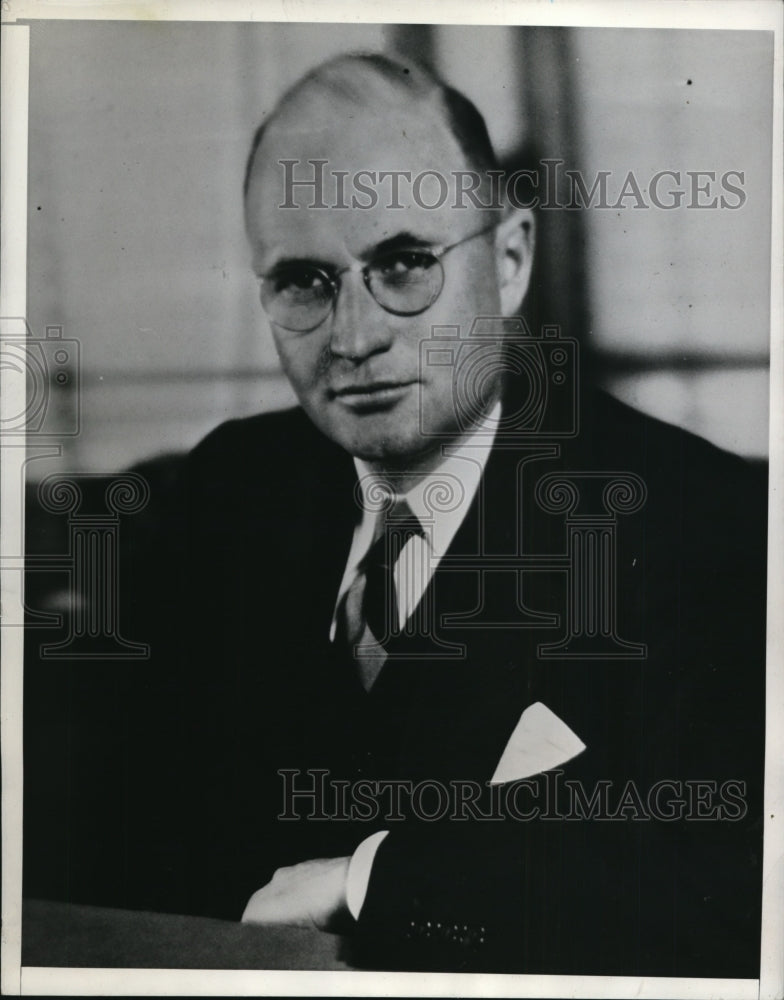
359, 872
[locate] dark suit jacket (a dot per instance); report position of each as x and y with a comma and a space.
245, 683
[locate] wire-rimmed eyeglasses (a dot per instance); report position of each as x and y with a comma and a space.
300, 295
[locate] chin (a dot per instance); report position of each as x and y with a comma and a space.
391, 445
385, 450
392, 437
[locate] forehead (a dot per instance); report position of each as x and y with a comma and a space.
361, 148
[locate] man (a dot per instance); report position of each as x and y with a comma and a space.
379, 592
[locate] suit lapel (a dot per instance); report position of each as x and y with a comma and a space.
446, 706
455, 711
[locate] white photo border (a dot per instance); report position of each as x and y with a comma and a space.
757, 15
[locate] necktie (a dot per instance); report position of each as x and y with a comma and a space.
371, 611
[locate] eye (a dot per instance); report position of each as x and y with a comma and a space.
403, 266
299, 283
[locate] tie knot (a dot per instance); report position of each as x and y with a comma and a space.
399, 519
393, 529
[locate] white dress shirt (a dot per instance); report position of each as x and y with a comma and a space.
440, 500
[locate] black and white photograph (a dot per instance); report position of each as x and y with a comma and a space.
391, 439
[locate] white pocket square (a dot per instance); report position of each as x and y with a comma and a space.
540, 741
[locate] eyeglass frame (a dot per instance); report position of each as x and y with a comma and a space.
437, 253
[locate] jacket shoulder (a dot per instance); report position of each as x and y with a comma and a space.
271, 461
667, 454
715, 499
273, 435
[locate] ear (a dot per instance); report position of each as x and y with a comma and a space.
514, 258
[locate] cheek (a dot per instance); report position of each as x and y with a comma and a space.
461, 304
302, 359
440, 388
469, 293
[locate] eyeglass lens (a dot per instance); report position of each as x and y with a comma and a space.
300, 296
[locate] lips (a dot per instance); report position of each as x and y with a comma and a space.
369, 396
369, 388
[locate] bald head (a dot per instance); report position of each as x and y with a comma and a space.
353, 295
377, 85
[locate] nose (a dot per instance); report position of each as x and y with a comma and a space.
359, 325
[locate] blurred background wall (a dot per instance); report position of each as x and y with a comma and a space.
138, 139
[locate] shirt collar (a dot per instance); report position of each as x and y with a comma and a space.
441, 498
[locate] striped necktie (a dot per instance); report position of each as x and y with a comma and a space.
371, 611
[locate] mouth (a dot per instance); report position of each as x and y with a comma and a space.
369, 396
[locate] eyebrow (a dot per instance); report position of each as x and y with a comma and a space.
289, 261
400, 241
